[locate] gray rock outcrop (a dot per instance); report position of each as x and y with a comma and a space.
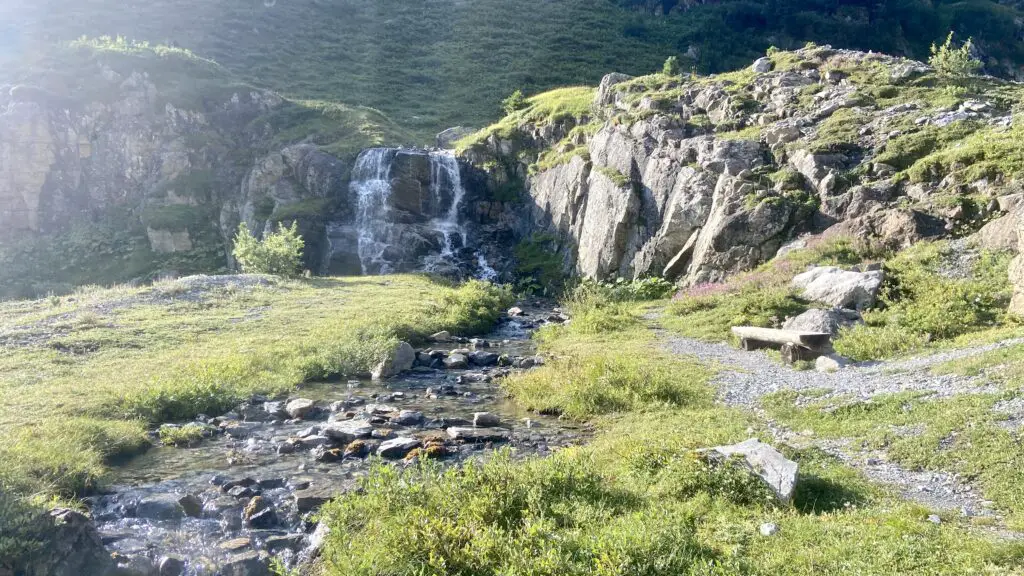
840, 288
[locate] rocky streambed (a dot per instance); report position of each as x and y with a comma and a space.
244, 494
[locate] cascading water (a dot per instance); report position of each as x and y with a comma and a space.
371, 183
422, 233
445, 182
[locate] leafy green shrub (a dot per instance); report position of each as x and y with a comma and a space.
622, 290
553, 516
278, 253
954, 62
584, 386
514, 103
594, 311
671, 66
26, 531
863, 342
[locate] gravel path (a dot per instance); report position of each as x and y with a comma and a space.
745, 377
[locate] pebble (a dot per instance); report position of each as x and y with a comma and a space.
934, 519
769, 529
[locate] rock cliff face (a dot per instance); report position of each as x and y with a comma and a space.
126, 162
697, 178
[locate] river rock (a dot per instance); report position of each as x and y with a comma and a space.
397, 448
75, 547
235, 544
275, 409
399, 359
259, 513
347, 431
516, 312
325, 454
778, 472
300, 408
483, 359
486, 420
191, 505
171, 565
456, 362
443, 336
408, 418
840, 288
277, 544
241, 430
478, 434
247, 564
314, 497
159, 507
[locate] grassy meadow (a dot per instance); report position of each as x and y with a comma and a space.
85, 376
636, 500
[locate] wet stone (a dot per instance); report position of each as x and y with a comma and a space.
478, 434
300, 408
278, 544
191, 505
408, 418
314, 497
241, 492
236, 544
159, 507
247, 564
171, 566
456, 362
397, 448
486, 420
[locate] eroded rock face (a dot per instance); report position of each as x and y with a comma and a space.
694, 179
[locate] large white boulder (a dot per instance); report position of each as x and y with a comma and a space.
840, 288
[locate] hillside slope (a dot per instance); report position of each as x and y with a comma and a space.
412, 59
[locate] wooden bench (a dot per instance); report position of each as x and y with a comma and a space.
794, 346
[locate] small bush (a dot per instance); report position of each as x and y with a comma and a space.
954, 62
280, 253
671, 67
515, 102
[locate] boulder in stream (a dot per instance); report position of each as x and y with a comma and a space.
397, 448
300, 408
397, 360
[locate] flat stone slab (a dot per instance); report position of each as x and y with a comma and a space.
467, 434
397, 448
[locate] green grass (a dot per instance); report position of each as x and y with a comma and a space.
99, 368
431, 65
919, 305
986, 153
573, 103
185, 435
961, 434
761, 297
637, 499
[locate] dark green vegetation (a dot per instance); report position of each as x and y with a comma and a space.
412, 59
637, 500
920, 302
83, 377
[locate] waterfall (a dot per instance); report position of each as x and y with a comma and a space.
371, 183
387, 241
445, 177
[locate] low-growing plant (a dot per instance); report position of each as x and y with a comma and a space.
514, 102
186, 435
278, 253
951, 61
